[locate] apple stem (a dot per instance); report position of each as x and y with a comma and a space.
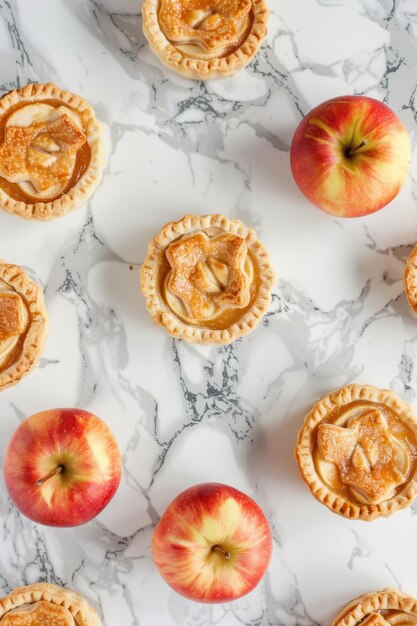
222, 552
54, 472
354, 150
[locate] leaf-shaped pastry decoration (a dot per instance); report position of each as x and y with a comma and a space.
212, 22
368, 457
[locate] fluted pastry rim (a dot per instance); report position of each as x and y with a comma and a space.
162, 315
410, 279
308, 472
89, 181
82, 612
36, 334
356, 610
198, 69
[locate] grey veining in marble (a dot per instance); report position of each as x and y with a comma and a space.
186, 414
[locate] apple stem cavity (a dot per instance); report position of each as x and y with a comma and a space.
52, 473
226, 555
353, 151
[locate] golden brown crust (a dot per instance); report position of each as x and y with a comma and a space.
160, 312
34, 340
82, 613
410, 279
89, 181
304, 453
198, 69
387, 599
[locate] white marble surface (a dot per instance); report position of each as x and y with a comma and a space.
185, 414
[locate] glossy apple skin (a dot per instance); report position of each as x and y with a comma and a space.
87, 449
207, 515
350, 186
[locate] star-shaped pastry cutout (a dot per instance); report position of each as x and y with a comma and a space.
367, 455
208, 274
43, 154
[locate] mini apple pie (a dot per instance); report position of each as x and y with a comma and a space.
23, 324
410, 279
357, 451
44, 604
204, 39
51, 151
389, 607
207, 279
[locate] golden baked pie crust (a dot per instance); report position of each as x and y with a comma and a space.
90, 179
82, 613
199, 69
388, 599
410, 279
35, 334
163, 315
305, 456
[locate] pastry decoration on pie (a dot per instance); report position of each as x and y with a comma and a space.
23, 324
204, 39
410, 279
207, 279
389, 607
51, 151
45, 604
357, 451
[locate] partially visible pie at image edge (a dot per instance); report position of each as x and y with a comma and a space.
389, 607
203, 39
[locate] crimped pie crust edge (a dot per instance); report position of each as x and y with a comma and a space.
35, 338
162, 315
356, 610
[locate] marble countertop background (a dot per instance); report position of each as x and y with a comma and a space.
184, 414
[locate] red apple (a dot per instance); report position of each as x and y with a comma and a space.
212, 544
62, 467
350, 156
